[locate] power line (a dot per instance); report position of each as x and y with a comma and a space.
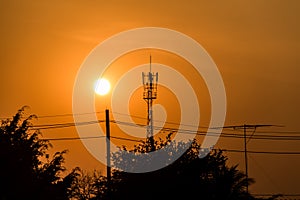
172, 123
63, 125
60, 115
91, 137
225, 150
128, 139
266, 136
140, 117
74, 138
68, 115
280, 132
263, 152
184, 131
224, 134
135, 140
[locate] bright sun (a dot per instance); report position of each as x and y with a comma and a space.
102, 86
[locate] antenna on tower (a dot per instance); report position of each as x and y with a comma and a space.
150, 80
150, 62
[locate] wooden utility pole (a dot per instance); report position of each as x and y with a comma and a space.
246, 158
108, 168
245, 127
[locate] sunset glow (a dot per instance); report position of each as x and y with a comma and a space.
69, 62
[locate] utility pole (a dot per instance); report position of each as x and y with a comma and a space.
108, 168
245, 127
246, 158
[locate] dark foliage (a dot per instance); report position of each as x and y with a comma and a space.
189, 177
88, 185
26, 172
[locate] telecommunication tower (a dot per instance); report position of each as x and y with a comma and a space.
150, 80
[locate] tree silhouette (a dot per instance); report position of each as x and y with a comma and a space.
87, 185
26, 172
189, 177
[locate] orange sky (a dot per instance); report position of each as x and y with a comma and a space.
255, 45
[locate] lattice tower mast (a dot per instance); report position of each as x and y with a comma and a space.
150, 81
